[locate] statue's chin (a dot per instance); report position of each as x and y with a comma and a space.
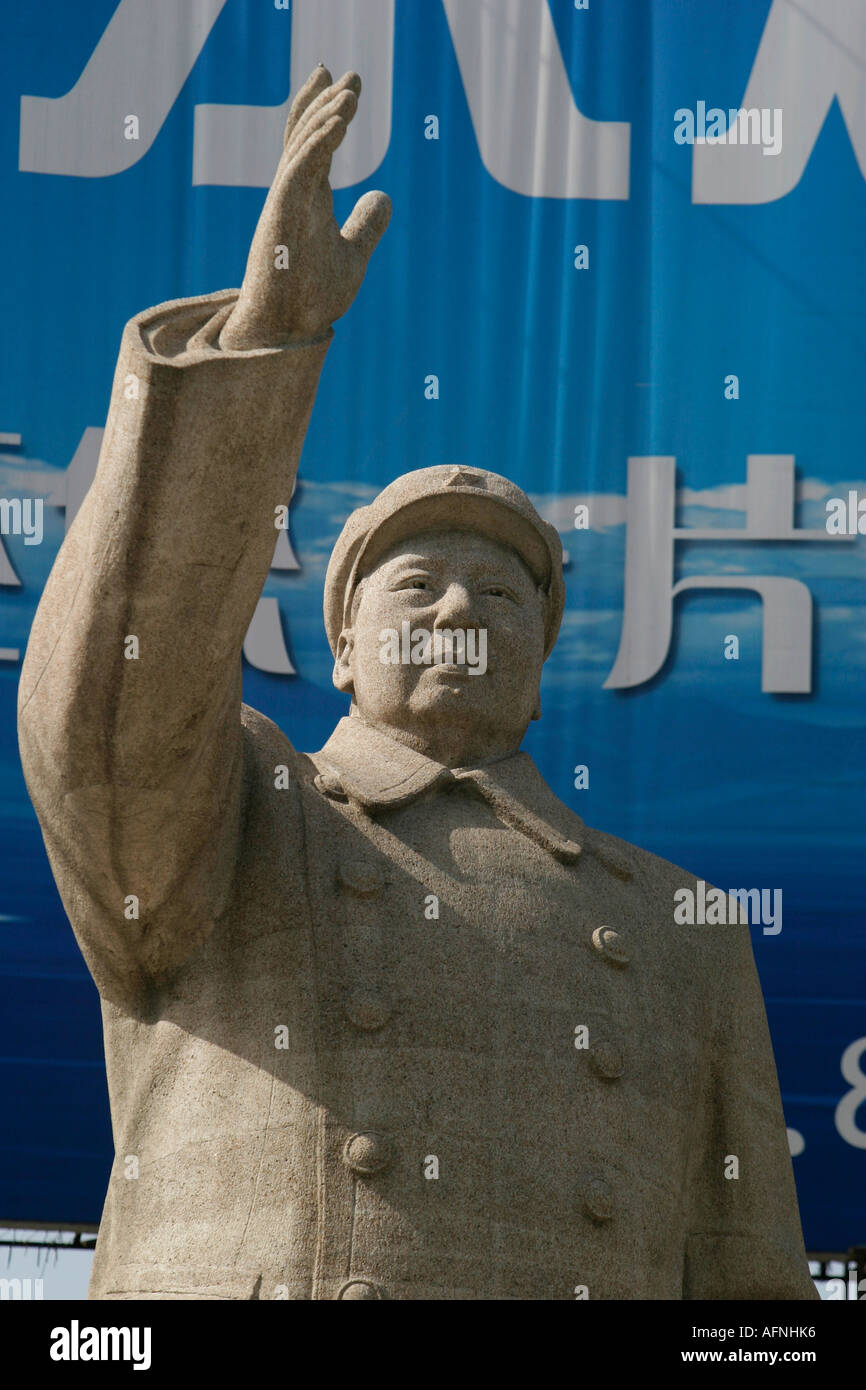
447, 691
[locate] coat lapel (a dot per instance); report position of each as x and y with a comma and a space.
380, 773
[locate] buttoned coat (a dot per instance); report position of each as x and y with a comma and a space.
374, 1028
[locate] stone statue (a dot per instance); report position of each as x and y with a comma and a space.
387, 1021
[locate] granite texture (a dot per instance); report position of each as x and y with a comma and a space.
344, 993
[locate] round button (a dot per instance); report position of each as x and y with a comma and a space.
368, 1012
361, 876
359, 1288
598, 1200
328, 783
611, 945
366, 1154
606, 1060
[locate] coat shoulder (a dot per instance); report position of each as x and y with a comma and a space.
630, 863
648, 892
273, 767
263, 740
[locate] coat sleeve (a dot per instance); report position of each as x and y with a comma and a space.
744, 1238
131, 749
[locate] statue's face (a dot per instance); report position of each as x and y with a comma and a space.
459, 703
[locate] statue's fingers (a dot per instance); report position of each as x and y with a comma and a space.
343, 105
311, 118
349, 82
367, 221
313, 159
316, 83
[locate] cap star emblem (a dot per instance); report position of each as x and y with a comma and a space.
464, 477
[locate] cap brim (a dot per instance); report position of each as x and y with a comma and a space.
488, 515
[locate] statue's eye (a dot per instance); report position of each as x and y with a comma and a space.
402, 584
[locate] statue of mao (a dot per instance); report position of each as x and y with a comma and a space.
385, 1021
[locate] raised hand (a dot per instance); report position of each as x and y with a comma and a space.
293, 295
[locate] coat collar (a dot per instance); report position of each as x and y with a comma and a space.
379, 773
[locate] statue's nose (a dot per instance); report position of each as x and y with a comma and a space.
456, 608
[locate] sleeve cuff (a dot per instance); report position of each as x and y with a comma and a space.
186, 331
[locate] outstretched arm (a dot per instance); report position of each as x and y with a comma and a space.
129, 702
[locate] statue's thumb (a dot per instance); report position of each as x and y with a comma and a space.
367, 221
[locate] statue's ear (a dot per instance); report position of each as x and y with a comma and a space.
536, 709
343, 676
